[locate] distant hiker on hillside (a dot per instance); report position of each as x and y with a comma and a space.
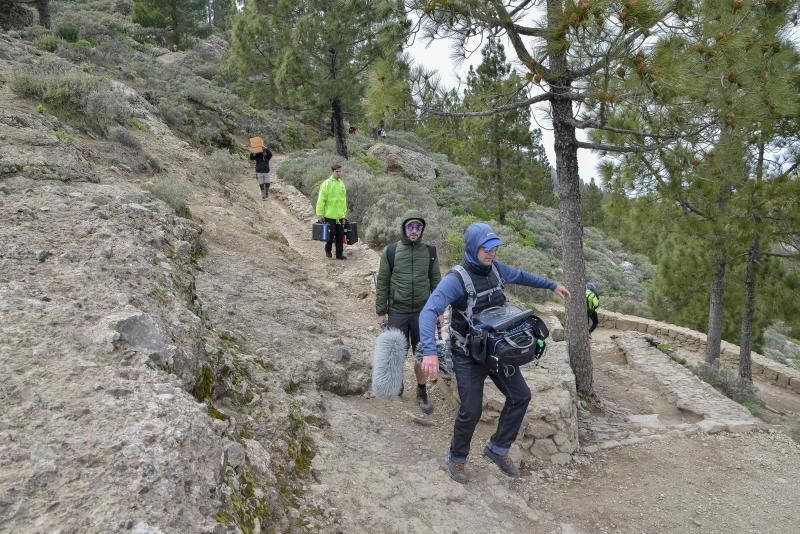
262, 169
592, 303
332, 208
488, 277
408, 273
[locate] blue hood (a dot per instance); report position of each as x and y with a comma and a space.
476, 235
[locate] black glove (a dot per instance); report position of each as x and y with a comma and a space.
321, 220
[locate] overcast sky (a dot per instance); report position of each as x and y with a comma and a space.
437, 57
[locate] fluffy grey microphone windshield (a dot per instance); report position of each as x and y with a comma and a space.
387, 363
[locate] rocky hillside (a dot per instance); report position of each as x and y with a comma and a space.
120, 394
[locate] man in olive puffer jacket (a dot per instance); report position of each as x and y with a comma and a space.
403, 288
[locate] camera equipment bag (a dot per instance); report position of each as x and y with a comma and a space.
504, 337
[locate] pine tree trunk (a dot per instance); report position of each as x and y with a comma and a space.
753, 257
715, 309
746, 342
569, 210
43, 6
337, 119
501, 193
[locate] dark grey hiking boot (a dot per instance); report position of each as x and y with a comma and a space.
503, 462
422, 400
456, 471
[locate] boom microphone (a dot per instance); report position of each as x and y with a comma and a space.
387, 363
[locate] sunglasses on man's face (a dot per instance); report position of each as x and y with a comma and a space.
492, 250
414, 227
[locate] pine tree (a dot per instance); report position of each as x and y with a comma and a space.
388, 101
219, 13
181, 18
500, 150
314, 55
592, 204
569, 50
725, 82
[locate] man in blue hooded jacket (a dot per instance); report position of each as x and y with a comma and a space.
483, 269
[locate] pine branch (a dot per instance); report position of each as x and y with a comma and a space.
612, 148
600, 125
486, 113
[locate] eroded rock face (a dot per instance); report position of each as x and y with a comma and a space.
413, 165
29, 147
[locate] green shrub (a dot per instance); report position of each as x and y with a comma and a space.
105, 107
753, 407
47, 42
68, 32
292, 135
64, 136
670, 351
222, 167
128, 152
41, 108
125, 138
371, 163
62, 91
82, 45
138, 124
175, 194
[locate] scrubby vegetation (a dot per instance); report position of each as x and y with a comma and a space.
531, 236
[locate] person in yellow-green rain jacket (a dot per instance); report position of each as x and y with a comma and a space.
332, 209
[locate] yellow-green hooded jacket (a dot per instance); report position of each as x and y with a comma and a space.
332, 199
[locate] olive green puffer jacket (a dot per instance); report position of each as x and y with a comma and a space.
406, 288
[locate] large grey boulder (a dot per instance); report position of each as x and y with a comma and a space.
412, 165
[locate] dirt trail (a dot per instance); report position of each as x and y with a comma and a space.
379, 463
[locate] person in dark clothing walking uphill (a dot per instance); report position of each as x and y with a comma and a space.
332, 209
408, 273
262, 170
488, 276
592, 303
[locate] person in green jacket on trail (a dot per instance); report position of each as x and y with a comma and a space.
592, 303
408, 273
332, 208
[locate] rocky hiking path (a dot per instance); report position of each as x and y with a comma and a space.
379, 464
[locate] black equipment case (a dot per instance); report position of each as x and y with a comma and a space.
350, 233
319, 232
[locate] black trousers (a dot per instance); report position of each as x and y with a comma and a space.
593, 318
336, 235
471, 376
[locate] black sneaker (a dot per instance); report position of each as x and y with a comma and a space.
456, 471
422, 400
503, 462
328, 254
341, 257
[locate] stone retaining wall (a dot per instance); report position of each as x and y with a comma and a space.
763, 368
550, 429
